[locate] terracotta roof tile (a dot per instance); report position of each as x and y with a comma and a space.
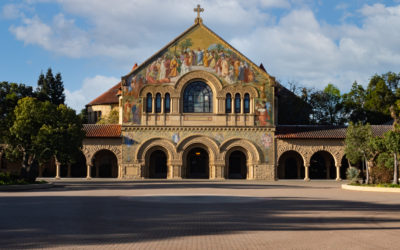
108, 97
321, 131
102, 130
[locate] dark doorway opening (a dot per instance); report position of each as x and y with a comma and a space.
322, 166
198, 164
105, 165
158, 165
237, 165
290, 166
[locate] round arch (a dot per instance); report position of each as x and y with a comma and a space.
207, 142
253, 154
290, 165
199, 75
322, 165
162, 143
104, 164
237, 163
156, 163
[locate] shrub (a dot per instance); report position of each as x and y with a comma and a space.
11, 179
353, 174
381, 174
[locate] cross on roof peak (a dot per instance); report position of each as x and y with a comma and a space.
198, 10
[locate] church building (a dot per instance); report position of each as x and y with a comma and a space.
198, 108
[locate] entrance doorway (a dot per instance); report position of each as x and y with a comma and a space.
197, 164
237, 165
105, 165
158, 165
322, 166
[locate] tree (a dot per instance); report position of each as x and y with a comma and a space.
112, 118
42, 130
51, 88
63, 135
353, 104
357, 144
327, 106
379, 98
10, 93
392, 143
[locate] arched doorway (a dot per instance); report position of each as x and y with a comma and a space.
237, 167
105, 165
290, 166
322, 166
158, 164
78, 168
197, 164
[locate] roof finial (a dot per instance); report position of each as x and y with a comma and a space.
198, 10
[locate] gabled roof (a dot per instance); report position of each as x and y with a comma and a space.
102, 130
321, 131
108, 97
197, 24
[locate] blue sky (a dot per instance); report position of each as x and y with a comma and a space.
93, 43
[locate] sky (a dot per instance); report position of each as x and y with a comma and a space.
92, 43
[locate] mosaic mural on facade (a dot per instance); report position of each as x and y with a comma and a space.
197, 50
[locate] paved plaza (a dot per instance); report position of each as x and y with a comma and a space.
194, 214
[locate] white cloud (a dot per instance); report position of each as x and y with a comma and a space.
296, 46
11, 11
91, 88
299, 48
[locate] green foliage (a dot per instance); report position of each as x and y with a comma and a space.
353, 104
11, 179
112, 118
381, 174
83, 115
42, 130
51, 88
357, 142
353, 174
327, 106
10, 93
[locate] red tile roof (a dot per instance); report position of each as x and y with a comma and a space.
108, 97
102, 130
321, 131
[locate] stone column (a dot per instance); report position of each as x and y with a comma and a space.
58, 169
170, 171
338, 173
153, 105
307, 173
69, 170
241, 105
88, 172
217, 171
250, 172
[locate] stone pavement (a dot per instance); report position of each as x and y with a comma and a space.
194, 214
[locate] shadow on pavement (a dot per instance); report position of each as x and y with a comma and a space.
38, 222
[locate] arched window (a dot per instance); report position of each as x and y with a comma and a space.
167, 103
228, 103
246, 103
237, 103
158, 103
197, 98
149, 105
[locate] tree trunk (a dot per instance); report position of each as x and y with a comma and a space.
29, 170
366, 171
395, 174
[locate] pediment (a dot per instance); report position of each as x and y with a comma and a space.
198, 48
